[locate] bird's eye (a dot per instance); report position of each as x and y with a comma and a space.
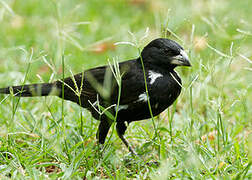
170, 52
167, 51
175, 52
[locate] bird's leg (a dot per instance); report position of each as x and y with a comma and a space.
101, 134
121, 128
102, 131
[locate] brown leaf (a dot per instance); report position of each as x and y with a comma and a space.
103, 47
210, 136
43, 69
200, 43
52, 168
60, 70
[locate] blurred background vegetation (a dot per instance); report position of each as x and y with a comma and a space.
209, 136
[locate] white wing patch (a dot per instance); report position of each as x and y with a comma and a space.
122, 107
153, 76
142, 97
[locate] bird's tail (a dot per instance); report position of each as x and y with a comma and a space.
29, 90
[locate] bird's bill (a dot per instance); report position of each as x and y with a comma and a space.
181, 59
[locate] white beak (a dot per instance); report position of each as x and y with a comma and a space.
181, 59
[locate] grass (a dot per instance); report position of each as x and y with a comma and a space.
206, 134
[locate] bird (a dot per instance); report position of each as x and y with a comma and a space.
125, 92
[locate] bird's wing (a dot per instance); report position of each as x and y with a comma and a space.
88, 84
132, 84
101, 81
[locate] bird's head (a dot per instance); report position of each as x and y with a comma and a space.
166, 53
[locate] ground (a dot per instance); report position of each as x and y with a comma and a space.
205, 134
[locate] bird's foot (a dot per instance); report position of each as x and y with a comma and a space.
132, 151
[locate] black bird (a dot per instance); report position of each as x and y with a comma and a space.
98, 88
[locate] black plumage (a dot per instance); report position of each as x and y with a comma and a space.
98, 88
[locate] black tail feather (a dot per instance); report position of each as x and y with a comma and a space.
43, 89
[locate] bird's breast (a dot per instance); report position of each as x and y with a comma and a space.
164, 90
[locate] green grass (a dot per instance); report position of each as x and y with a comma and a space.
206, 134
